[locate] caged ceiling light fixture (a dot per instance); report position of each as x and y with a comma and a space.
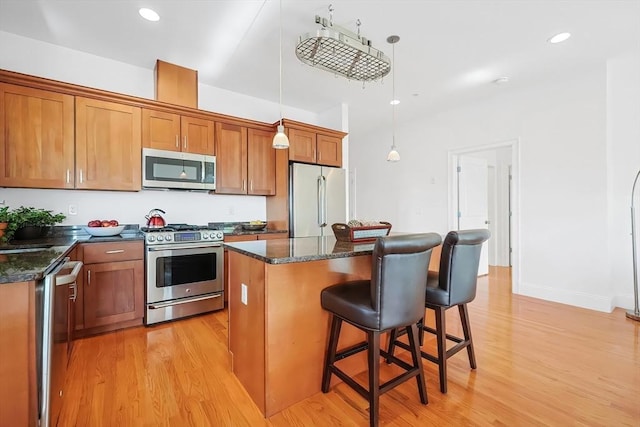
280, 140
393, 155
339, 51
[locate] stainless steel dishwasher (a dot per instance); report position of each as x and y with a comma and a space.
54, 296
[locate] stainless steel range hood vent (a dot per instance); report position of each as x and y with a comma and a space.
339, 51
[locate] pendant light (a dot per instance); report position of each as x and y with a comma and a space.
393, 155
280, 140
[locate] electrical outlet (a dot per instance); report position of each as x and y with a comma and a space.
73, 209
243, 293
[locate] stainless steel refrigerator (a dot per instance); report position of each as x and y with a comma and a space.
317, 198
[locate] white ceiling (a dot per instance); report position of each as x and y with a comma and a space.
449, 51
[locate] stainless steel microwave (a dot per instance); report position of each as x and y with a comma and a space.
177, 170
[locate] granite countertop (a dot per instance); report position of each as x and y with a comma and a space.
242, 232
300, 249
28, 260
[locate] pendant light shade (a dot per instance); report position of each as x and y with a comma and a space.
393, 155
280, 140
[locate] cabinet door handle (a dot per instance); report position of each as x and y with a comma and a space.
88, 277
177, 141
68, 176
115, 251
184, 145
314, 153
319, 155
81, 179
251, 185
244, 185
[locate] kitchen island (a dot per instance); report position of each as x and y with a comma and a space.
277, 328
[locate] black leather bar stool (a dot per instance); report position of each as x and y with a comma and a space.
393, 298
453, 286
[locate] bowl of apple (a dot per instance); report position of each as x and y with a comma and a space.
104, 228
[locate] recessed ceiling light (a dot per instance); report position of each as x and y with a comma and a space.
501, 80
558, 38
394, 102
148, 14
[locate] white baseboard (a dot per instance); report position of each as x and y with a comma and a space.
577, 299
624, 301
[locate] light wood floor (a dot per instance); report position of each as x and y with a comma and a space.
539, 364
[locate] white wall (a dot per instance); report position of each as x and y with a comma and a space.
46, 60
131, 207
623, 145
562, 128
41, 59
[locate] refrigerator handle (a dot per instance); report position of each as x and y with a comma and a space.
320, 196
323, 206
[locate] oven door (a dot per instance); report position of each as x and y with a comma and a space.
183, 280
183, 271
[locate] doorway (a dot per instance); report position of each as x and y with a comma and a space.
483, 193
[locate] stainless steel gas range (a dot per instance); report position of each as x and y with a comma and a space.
184, 270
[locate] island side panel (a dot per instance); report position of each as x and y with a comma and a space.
297, 327
246, 325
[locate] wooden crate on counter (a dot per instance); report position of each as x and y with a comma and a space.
346, 233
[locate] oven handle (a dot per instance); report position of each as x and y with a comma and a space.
182, 301
172, 247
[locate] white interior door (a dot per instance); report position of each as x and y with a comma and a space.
473, 200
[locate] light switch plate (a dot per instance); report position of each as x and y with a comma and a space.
243, 293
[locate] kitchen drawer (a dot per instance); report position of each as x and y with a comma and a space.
112, 251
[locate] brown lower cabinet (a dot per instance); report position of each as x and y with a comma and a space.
244, 238
112, 291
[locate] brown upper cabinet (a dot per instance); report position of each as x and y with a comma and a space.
36, 138
167, 131
310, 144
60, 135
245, 160
329, 150
108, 146
302, 146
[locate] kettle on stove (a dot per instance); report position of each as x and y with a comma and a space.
154, 219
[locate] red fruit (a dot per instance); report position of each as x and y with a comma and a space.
113, 223
106, 223
95, 223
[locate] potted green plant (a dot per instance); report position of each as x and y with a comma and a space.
4, 221
30, 223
